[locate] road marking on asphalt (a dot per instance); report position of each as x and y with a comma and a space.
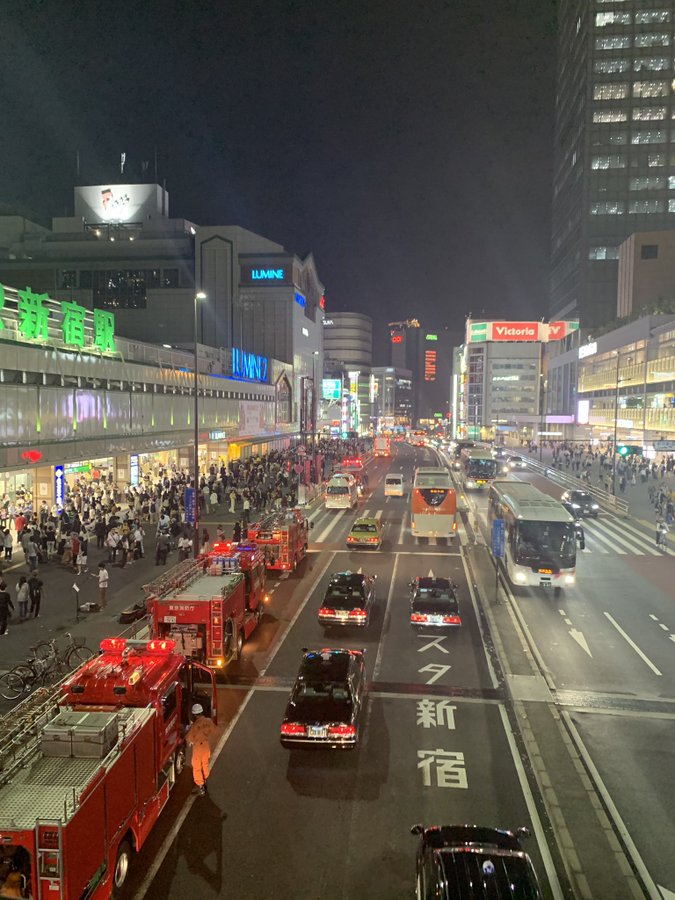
653, 617
436, 668
665, 627
185, 809
531, 804
632, 643
603, 539
629, 536
401, 533
672, 637
419, 552
298, 612
578, 636
385, 622
435, 642
327, 530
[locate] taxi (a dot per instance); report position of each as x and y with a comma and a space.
365, 533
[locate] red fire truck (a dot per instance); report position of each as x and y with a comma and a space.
210, 606
85, 773
283, 538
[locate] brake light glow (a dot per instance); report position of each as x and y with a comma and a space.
324, 611
418, 617
291, 728
357, 613
113, 645
342, 730
452, 620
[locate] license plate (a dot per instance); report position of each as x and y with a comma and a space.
170, 620
436, 620
545, 583
343, 615
317, 731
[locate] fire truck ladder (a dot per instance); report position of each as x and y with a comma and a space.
20, 729
176, 579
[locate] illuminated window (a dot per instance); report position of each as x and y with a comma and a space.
608, 162
646, 206
611, 66
608, 208
610, 115
671, 182
652, 64
671, 206
612, 43
603, 253
652, 40
656, 159
649, 113
647, 183
610, 91
648, 137
655, 15
650, 89
612, 18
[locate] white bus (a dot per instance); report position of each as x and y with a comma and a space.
540, 546
341, 492
477, 468
433, 504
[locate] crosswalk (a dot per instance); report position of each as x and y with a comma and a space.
610, 535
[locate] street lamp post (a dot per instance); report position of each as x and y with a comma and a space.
200, 295
315, 400
616, 422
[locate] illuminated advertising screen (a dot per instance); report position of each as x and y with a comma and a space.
120, 202
583, 412
430, 365
331, 388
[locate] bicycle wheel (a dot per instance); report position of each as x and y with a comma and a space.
12, 686
42, 650
77, 656
28, 674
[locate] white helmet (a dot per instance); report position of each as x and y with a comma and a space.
197, 709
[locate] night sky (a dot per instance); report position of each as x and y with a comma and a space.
406, 144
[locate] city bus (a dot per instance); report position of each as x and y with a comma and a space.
478, 468
540, 540
341, 492
433, 504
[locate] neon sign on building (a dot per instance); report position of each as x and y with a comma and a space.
249, 366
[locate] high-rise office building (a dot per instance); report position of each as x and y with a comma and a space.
614, 168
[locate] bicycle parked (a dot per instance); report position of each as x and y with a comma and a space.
45, 667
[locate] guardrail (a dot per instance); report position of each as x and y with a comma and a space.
604, 499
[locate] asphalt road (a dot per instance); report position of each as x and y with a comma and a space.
555, 713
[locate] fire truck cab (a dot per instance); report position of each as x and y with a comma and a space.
283, 539
211, 605
85, 772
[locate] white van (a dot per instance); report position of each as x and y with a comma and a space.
393, 485
341, 492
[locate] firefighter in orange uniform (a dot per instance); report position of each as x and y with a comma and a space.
199, 737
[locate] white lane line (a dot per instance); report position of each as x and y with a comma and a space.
310, 591
632, 643
327, 530
619, 538
421, 552
653, 617
185, 809
568, 622
595, 545
378, 515
401, 533
665, 627
603, 539
562, 612
385, 623
546, 857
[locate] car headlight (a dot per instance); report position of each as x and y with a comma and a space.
569, 579
521, 577
595, 506
575, 506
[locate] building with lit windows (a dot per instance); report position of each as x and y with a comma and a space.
614, 166
392, 407
348, 359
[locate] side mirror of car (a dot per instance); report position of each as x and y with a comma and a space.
581, 538
417, 829
523, 832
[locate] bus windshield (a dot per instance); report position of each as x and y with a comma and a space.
485, 468
337, 489
553, 542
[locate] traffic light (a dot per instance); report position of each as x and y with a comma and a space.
629, 450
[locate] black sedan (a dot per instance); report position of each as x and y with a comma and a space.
469, 861
580, 504
348, 600
434, 603
326, 701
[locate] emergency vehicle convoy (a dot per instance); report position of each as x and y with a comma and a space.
283, 538
211, 605
85, 775
382, 445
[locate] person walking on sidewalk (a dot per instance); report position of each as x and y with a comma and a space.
8, 544
22, 597
82, 555
36, 592
199, 738
103, 578
6, 608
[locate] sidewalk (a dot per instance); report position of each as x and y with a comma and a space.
636, 495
